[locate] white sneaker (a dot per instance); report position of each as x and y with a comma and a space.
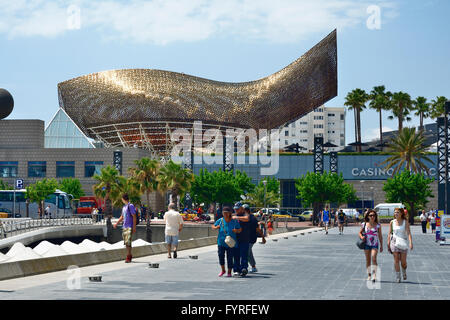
235, 274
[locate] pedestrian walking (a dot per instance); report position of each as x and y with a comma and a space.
48, 212
325, 218
433, 222
174, 225
334, 215
128, 217
227, 227
399, 233
341, 220
255, 231
374, 242
424, 221
243, 238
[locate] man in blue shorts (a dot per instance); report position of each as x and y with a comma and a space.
326, 218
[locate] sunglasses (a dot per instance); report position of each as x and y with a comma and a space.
371, 215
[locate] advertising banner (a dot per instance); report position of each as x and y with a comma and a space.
440, 213
445, 226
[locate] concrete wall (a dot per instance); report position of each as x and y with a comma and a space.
21, 134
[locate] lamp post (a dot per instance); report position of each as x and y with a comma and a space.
265, 191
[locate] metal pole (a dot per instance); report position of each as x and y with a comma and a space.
14, 204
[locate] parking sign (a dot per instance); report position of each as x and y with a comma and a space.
19, 184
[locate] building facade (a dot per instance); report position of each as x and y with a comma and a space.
325, 122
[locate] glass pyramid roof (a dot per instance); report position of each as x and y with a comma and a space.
62, 132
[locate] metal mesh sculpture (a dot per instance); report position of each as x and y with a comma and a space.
141, 107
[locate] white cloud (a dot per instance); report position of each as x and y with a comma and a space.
374, 134
166, 21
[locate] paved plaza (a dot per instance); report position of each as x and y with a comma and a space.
311, 266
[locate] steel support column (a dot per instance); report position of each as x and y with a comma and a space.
228, 152
333, 162
318, 154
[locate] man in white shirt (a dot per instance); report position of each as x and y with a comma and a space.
174, 224
424, 220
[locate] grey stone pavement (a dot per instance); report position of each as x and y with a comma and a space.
313, 266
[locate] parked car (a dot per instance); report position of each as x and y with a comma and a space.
307, 215
7, 213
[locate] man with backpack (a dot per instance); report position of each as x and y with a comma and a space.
255, 232
129, 224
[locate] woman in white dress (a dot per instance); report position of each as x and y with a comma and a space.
399, 234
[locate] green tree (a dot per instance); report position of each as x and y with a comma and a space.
220, 186
268, 195
146, 175
5, 185
379, 101
71, 186
438, 107
409, 152
411, 189
356, 101
107, 188
422, 108
316, 189
400, 108
41, 190
174, 178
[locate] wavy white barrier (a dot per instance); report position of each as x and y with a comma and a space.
46, 249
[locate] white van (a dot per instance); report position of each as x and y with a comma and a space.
387, 209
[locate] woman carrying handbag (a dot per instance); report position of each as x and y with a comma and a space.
371, 232
399, 234
226, 240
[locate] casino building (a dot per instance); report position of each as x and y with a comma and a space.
135, 111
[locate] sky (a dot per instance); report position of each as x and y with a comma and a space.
402, 44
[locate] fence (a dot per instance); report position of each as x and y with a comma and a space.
14, 227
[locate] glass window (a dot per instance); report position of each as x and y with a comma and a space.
8, 168
92, 167
37, 169
51, 198
65, 169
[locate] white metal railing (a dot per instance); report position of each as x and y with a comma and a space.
13, 227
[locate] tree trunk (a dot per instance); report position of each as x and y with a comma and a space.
359, 130
381, 130
412, 214
356, 125
316, 210
421, 122
148, 230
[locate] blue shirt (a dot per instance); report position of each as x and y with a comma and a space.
326, 215
228, 226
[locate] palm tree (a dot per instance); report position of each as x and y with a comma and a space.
356, 100
175, 178
422, 108
107, 187
409, 151
146, 175
401, 106
379, 101
438, 107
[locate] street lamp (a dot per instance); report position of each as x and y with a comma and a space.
265, 191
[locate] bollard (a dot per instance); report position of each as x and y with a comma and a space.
95, 278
